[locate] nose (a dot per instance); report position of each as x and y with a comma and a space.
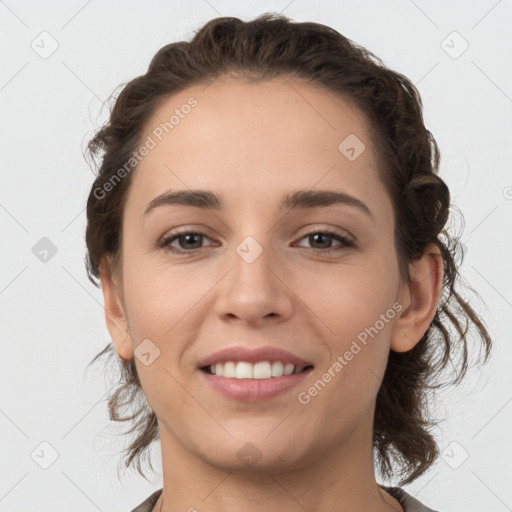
256, 289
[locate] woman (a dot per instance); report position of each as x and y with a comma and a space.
293, 344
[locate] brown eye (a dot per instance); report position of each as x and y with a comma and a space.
188, 242
322, 240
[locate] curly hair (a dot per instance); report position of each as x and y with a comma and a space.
269, 46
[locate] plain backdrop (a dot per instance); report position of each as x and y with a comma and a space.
60, 61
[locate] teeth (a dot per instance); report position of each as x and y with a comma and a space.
260, 370
277, 369
288, 369
243, 371
229, 369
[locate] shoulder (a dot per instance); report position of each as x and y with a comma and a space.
148, 504
408, 502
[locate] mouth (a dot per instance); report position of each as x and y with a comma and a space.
249, 382
253, 374
249, 374
258, 370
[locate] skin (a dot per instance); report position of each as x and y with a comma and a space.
251, 144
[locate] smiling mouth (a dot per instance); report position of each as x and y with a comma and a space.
259, 370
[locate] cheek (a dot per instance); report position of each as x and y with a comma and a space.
158, 295
356, 303
351, 297
357, 306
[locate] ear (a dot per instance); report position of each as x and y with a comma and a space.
420, 298
115, 316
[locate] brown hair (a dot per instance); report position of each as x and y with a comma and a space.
271, 46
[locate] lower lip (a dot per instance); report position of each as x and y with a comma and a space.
251, 390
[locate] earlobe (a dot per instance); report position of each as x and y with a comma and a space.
115, 316
420, 299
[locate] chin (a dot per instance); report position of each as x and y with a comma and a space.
254, 453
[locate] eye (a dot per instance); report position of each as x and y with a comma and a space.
189, 242
324, 238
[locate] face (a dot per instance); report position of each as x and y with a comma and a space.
314, 285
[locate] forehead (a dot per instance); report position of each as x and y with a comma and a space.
254, 141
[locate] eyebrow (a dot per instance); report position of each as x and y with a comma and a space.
299, 199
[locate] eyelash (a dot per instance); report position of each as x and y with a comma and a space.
166, 241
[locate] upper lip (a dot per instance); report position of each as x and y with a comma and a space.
253, 355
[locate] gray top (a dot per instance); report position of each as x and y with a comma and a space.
409, 503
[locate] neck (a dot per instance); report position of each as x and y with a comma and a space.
341, 479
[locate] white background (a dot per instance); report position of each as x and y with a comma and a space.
52, 317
